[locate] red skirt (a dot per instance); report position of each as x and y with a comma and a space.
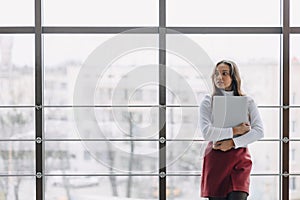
224, 172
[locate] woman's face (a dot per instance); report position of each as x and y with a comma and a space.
222, 78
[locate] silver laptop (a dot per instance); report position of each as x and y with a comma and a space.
229, 111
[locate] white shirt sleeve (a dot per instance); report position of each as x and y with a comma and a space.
209, 132
257, 130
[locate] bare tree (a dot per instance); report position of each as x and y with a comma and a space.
131, 159
113, 180
14, 158
60, 160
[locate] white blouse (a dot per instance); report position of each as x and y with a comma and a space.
214, 134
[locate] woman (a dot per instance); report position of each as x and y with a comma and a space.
227, 163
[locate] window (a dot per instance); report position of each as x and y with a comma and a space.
98, 129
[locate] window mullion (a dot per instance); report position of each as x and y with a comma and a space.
38, 102
285, 98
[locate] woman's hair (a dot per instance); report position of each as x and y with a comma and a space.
235, 76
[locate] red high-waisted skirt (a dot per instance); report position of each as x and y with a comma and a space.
224, 172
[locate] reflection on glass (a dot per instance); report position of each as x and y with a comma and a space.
17, 157
17, 13
265, 157
259, 67
101, 187
294, 157
223, 13
17, 123
101, 13
102, 123
17, 187
127, 77
101, 157
16, 70
295, 70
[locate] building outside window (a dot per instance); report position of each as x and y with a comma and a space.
110, 145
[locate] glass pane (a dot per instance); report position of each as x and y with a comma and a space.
185, 156
17, 123
103, 187
264, 187
17, 187
16, 69
17, 157
295, 123
17, 13
271, 119
295, 14
101, 157
100, 13
183, 187
294, 187
183, 123
294, 157
102, 69
102, 123
187, 187
295, 70
255, 63
185, 84
265, 157
223, 13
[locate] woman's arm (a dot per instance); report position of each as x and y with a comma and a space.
209, 132
256, 132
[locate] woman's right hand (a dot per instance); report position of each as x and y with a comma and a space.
241, 129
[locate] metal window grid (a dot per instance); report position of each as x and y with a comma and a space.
162, 30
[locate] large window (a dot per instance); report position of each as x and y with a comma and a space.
223, 13
100, 99
100, 13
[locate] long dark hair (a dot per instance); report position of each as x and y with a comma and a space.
235, 76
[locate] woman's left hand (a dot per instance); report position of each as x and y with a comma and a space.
224, 145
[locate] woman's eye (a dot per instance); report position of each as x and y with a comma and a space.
225, 73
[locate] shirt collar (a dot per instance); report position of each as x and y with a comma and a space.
227, 93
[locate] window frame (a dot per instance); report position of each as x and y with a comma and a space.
162, 30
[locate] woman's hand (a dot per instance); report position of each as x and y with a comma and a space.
224, 145
241, 129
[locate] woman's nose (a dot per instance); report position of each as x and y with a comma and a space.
219, 76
